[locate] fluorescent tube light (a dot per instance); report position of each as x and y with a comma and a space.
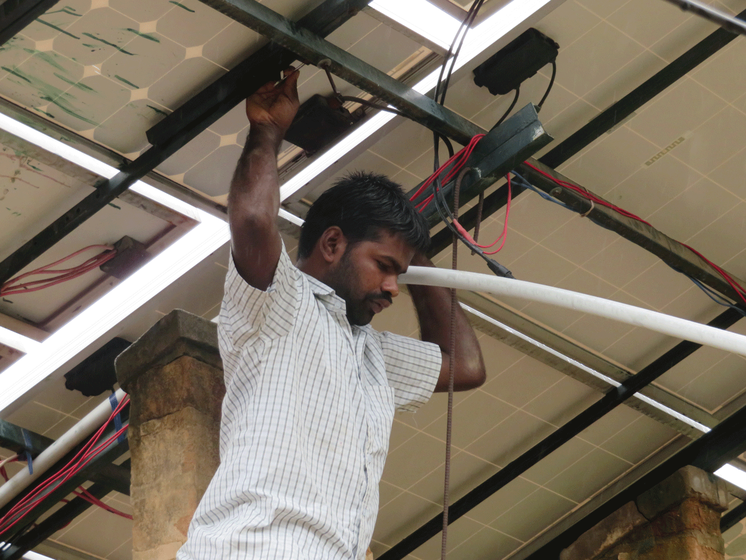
17, 341
43, 359
422, 17
733, 475
477, 40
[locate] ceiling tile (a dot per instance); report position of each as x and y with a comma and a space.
620, 262
149, 56
609, 425
651, 187
557, 461
578, 240
568, 121
611, 160
604, 8
400, 434
427, 413
512, 437
196, 150
467, 99
534, 514
35, 417
694, 305
213, 174
594, 57
639, 440
383, 48
552, 316
569, 21
694, 209
353, 30
586, 283
725, 72
401, 516
386, 493
660, 19
232, 45
563, 402
722, 240
96, 36
192, 23
88, 103
595, 332
111, 532
598, 468
715, 141
522, 382
472, 418
56, 19
467, 471
459, 532
406, 143
142, 10
542, 266
486, 543
676, 113
536, 218
403, 470
730, 175
658, 286
683, 38
638, 348
503, 500
125, 130
14, 52
192, 74
56, 396
719, 385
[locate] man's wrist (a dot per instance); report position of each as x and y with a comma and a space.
263, 133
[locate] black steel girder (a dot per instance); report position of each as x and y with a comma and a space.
724, 443
208, 106
55, 522
17, 14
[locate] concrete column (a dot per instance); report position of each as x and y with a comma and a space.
174, 377
679, 519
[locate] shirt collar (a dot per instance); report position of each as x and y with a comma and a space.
331, 300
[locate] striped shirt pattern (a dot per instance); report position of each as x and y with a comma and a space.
306, 421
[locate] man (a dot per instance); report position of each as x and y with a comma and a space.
310, 387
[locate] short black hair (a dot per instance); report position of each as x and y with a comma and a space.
361, 204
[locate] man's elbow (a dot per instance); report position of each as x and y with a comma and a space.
472, 376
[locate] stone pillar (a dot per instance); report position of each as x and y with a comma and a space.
174, 377
679, 519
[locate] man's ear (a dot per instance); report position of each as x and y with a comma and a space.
332, 244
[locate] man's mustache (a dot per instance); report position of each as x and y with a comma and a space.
383, 295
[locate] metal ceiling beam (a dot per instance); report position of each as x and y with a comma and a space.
732, 517
255, 72
724, 443
59, 519
15, 15
608, 119
60, 490
613, 398
670, 251
312, 48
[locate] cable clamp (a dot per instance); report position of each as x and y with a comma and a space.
117, 418
585, 214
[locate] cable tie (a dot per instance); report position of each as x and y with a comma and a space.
27, 452
585, 214
117, 418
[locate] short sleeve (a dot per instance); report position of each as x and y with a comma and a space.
248, 312
412, 369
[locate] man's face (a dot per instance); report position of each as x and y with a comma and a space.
366, 275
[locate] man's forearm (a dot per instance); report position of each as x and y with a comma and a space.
433, 306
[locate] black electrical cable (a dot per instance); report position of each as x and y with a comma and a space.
549, 88
371, 104
512, 105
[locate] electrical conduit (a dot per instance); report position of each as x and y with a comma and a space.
659, 322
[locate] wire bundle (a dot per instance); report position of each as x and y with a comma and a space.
740, 291
86, 454
57, 275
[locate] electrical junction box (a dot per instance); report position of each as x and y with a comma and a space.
515, 63
319, 121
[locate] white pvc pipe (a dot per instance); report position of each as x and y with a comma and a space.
659, 322
58, 449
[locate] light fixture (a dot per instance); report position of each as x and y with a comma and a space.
423, 18
61, 347
17, 341
732, 474
477, 41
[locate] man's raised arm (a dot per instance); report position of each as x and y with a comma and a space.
254, 199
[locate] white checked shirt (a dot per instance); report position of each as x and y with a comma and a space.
306, 420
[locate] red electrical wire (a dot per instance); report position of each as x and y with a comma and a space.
88, 497
12, 286
585, 194
85, 455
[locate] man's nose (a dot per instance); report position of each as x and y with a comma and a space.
391, 285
